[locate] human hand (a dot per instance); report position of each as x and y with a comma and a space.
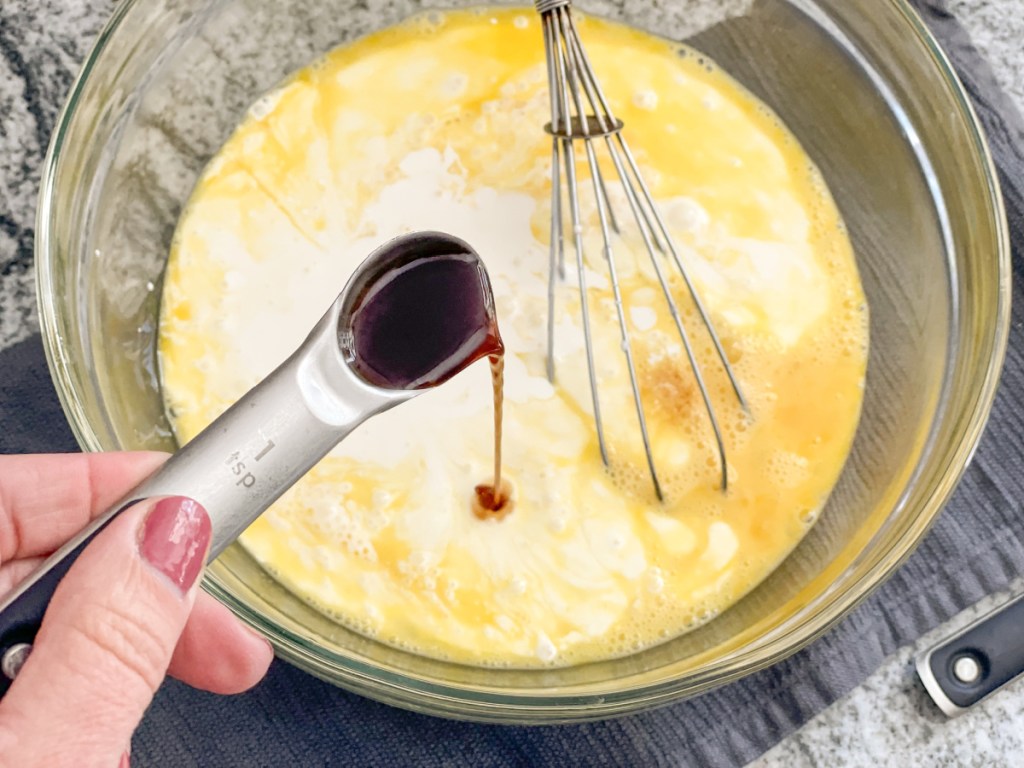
128, 612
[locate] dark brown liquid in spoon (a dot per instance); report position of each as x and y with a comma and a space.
421, 323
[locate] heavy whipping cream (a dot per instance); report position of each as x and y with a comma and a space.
436, 124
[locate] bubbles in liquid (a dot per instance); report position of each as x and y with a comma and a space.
646, 100
261, 108
428, 23
809, 516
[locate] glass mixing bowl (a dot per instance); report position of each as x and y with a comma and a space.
863, 86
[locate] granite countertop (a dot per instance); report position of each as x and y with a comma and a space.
887, 720
890, 720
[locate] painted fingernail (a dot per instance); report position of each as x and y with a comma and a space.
175, 538
125, 761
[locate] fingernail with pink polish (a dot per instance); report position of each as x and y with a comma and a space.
175, 538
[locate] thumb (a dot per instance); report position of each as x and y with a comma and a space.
107, 638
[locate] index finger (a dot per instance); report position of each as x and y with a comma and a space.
45, 499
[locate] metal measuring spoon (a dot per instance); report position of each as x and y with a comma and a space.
416, 312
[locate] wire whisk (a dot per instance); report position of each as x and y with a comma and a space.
581, 115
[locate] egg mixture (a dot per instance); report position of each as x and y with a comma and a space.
437, 124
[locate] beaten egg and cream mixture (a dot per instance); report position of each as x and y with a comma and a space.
437, 124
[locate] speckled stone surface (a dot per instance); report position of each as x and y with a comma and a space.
42, 45
888, 720
997, 28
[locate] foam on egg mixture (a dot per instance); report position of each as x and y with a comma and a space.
437, 124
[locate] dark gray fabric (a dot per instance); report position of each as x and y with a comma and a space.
975, 548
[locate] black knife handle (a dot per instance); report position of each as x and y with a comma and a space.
964, 669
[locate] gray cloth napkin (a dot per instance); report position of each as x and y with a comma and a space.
975, 548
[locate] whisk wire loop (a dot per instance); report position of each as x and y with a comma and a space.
545, 6
560, 102
581, 113
579, 82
